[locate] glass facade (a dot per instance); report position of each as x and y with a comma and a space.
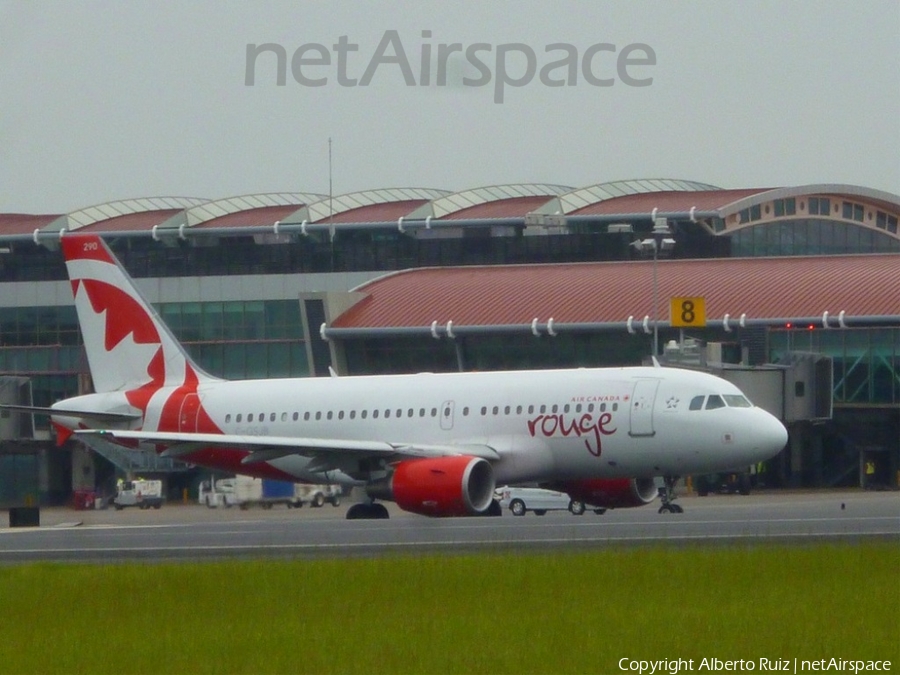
866, 360
234, 340
809, 236
493, 352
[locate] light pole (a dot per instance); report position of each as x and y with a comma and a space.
660, 239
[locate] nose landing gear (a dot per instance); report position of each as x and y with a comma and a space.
667, 496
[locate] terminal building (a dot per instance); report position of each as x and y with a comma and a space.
498, 277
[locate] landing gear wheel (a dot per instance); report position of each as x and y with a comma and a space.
494, 509
667, 496
517, 506
364, 511
576, 508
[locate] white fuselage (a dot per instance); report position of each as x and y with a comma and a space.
544, 425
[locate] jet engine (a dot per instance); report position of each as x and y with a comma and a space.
610, 493
458, 485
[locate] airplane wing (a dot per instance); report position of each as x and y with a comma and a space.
62, 412
267, 448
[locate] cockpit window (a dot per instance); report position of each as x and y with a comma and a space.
714, 401
696, 403
737, 401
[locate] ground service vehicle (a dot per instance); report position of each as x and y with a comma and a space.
521, 500
316, 495
143, 494
264, 492
215, 493
723, 483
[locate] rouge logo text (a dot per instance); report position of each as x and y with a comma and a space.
557, 425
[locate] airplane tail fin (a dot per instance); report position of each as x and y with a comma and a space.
128, 346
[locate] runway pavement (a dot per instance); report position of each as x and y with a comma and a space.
179, 532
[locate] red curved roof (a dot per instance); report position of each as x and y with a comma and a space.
372, 213
645, 202
23, 223
143, 220
264, 216
514, 207
861, 285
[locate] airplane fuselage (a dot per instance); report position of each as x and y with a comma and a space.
544, 425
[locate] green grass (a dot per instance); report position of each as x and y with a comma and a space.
503, 613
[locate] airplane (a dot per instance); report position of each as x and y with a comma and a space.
434, 444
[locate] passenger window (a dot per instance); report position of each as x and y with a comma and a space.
602, 407
306, 417
250, 417
714, 401
615, 407
329, 415
261, 417
284, 417
590, 407
518, 410
410, 412
352, 414
272, 417
318, 415
543, 409
375, 414
506, 410
421, 412
578, 408
387, 413
228, 418
238, 420
696, 403
483, 411
399, 413
340, 414
531, 410
555, 408
566, 408
495, 410
364, 414
447, 411
296, 416
465, 411
434, 412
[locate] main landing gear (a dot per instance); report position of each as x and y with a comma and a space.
667, 496
367, 511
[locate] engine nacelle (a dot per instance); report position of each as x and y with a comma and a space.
458, 485
610, 493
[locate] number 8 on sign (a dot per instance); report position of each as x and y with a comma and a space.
687, 312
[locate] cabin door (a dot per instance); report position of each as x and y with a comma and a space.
446, 413
190, 409
642, 399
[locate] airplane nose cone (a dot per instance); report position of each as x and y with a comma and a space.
772, 435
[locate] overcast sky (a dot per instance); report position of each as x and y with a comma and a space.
110, 100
